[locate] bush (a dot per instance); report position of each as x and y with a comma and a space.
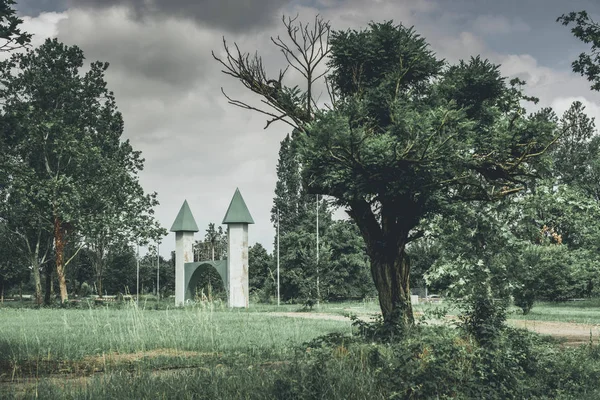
483, 317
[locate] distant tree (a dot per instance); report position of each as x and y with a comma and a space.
167, 277
297, 213
345, 267
221, 247
201, 250
211, 238
120, 270
404, 135
289, 203
214, 245
574, 152
260, 269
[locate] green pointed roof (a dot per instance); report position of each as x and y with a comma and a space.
237, 213
185, 220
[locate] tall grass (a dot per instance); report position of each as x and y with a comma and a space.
62, 334
211, 352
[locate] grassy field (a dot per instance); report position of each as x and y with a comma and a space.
39, 345
586, 311
155, 351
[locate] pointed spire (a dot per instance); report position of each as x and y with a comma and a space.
237, 213
185, 220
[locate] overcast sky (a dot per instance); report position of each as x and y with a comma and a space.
198, 147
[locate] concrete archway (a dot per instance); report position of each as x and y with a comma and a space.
233, 271
193, 272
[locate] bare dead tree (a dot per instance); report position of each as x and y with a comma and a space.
305, 50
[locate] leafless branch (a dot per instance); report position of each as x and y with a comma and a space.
308, 48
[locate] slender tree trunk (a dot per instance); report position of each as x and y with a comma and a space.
59, 246
48, 289
99, 281
2, 292
36, 278
98, 267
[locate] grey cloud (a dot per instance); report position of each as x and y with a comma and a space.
165, 54
231, 15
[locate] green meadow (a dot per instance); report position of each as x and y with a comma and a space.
207, 351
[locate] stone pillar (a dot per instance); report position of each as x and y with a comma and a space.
237, 219
237, 264
184, 228
184, 253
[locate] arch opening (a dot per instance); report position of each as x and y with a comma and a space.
206, 280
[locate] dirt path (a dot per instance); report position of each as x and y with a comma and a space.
573, 334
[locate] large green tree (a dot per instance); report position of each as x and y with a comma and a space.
404, 136
538, 244
75, 173
294, 214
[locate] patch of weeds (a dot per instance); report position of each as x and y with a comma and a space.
433, 314
380, 330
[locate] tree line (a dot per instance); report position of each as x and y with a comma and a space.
446, 175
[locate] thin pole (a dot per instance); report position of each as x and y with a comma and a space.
278, 292
318, 288
137, 259
158, 270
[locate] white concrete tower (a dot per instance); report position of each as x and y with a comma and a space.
237, 219
184, 228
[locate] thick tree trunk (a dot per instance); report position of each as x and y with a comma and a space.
59, 247
390, 267
391, 278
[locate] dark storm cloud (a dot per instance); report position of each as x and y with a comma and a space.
231, 15
33, 8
